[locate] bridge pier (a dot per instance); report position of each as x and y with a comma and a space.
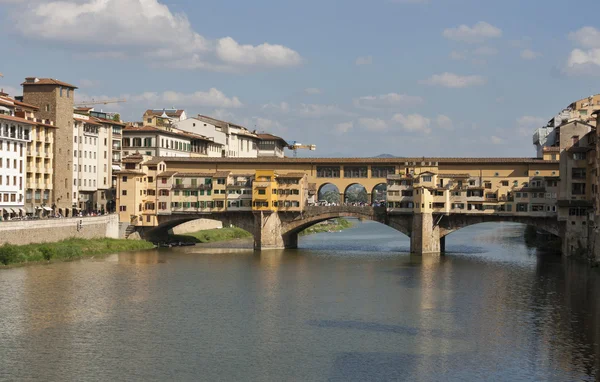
443, 244
267, 231
425, 237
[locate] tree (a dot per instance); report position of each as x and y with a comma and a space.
330, 197
117, 117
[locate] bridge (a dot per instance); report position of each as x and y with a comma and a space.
277, 230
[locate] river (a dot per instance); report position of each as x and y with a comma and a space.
347, 306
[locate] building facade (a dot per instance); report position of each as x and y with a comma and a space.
54, 99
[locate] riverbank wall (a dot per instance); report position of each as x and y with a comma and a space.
52, 230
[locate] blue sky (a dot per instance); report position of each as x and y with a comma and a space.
354, 77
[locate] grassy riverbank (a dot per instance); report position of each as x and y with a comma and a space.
339, 225
65, 250
211, 235
227, 234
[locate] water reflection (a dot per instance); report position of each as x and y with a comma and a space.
349, 306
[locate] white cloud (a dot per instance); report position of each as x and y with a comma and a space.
364, 60
282, 107
497, 140
130, 28
451, 80
344, 127
527, 124
212, 98
312, 91
265, 54
584, 61
485, 51
444, 122
387, 101
528, 54
87, 83
269, 125
373, 124
458, 56
478, 33
586, 37
317, 111
413, 122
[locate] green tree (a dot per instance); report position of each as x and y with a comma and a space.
330, 197
117, 117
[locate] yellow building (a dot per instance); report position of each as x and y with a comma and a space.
264, 191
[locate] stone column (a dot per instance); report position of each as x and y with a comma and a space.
267, 231
425, 238
442, 244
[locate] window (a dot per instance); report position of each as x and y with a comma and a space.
124, 192
122, 208
427, 178
262, 191
578, 173
504, 183
578, 188
578, 156
221, 181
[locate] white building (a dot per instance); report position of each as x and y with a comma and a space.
167, 142
238, 141
270, 145
14, 136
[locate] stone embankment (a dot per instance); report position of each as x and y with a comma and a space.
24, 232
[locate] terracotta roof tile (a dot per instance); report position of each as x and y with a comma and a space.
88, 121
291, 175
49, 81
270, 137
17, 119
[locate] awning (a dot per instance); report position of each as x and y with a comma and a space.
30, 210
23, 212
4, 108
47, 208
116, 168
12, 210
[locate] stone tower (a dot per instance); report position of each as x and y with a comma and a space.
55, 101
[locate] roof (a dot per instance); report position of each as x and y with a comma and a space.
88, 121
291, 175
329, 161
270, 137
169, 112
212, 121
110, 121
129, 172
17, 119
454, 175
9, 101
47, 81
146, 129
218, 174
133, 158
167, 174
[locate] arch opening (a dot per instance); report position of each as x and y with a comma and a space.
328, 194
199, 229
356, 194
379, 194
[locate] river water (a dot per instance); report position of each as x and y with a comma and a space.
347, 306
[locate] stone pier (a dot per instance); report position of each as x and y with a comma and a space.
425, 237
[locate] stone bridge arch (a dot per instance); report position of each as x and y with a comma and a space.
452, 223
291, 227
243, 220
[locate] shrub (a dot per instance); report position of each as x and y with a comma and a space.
47, 252
71, 253
8, 254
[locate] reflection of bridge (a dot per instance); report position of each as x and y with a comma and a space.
427, 231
